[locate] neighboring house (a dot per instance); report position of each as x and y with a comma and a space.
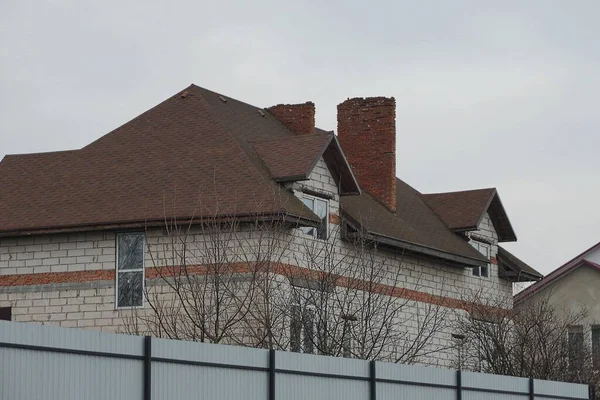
78, 228
572, 288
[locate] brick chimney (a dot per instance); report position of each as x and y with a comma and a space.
367, 134
299, 118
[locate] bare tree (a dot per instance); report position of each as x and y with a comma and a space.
208, 280
536, 340
350, 300
263, 283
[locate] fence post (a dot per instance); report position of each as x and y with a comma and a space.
458, 384
147, 368
271, 389
531, 389
372, 381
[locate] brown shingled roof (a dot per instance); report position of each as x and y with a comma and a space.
196, 155
463, 211
186, 157
514, 269
414, 225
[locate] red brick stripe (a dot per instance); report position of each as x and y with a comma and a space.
278, 268
49, 278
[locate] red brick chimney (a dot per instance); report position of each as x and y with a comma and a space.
367, 134
299, 118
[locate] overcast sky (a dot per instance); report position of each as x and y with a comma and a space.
502, 96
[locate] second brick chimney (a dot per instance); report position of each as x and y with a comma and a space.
299, 118
367, 134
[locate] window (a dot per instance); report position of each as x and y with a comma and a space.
576, 353
347, 333
321, 208
5, 314
130, 269
483, 248
302, 325
596, 346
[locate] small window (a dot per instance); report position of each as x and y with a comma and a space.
596, 346
576, 353
483, 248
5, 314
302, 325
130, 269
347, 339
321, 208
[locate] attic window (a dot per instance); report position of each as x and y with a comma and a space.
484, 249
321, 208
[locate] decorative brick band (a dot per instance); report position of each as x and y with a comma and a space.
51, 278
154, 273
334, 219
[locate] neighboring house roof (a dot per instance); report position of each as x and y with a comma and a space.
463, 211
197, 155
514, 269
558, 273
414, 226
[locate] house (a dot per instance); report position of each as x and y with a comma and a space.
572, 288
86, 234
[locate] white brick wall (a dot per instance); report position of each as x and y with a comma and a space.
57, 253
93, 307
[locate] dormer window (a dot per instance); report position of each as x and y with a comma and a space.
320, 207
483, 248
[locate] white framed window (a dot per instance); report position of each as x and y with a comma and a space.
485, 249
320, 207
303, 325
130, 270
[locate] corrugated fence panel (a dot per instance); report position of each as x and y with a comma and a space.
190, 379
550, 389
74, 339
50, 363
38, 374
477, 386
415, 382
306, 384
178, 382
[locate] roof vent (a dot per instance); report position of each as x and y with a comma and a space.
183, 95
262, 114
223, 99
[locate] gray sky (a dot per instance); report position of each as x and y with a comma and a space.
502, 95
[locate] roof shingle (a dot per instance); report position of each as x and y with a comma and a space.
195, 156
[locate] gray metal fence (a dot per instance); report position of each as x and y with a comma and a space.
41, 362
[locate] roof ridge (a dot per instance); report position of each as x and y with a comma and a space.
151, 109
262, 172
460, 191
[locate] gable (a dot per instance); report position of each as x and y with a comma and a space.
464, 211
577, 289
585, 258
293, 159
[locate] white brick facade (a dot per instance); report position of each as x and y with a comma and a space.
91, 305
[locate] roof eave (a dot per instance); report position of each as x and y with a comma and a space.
417, 248
128, 225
